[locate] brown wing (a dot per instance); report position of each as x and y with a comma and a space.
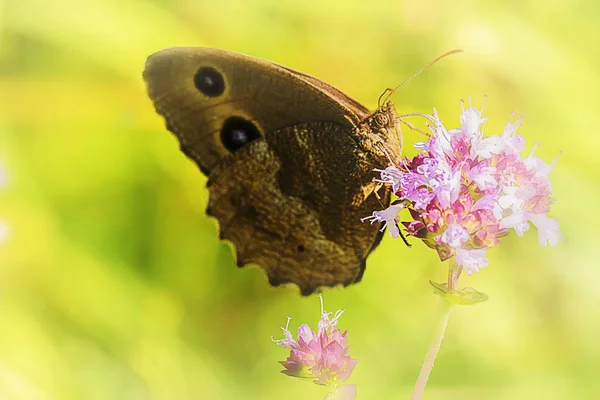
292, 204
270, 96
289, 198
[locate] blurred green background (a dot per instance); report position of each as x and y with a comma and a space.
113, 284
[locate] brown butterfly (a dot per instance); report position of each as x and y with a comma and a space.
289, 160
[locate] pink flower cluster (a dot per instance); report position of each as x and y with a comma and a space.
465, 190
322, 355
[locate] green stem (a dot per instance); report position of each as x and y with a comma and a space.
453, 275
432, 353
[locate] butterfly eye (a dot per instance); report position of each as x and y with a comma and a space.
209, 81
237, 132
381, 119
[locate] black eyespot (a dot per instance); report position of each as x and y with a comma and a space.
209, 81
238, 132
301, 248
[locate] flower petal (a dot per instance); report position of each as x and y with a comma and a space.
455, 235
471, 260
548, 229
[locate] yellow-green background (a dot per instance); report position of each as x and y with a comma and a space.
113, 284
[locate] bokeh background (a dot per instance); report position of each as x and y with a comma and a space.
113, 284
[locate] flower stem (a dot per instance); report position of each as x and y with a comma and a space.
453, 274
432, 353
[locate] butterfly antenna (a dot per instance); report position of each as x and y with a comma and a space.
389, 92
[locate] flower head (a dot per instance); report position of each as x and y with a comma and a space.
321, 355
465, 191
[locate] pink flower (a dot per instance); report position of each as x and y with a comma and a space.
389, 216
322, 355
465, 191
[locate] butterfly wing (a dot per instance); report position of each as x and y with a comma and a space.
288, 181
268, 95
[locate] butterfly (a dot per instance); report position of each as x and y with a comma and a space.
289, 160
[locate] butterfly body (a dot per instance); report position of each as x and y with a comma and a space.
289, 160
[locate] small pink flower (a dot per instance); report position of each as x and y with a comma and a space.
471, 260
455, 235
322, 355
465, 191
389, 216
548, 229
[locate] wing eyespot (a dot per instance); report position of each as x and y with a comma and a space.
237, 132
209, 81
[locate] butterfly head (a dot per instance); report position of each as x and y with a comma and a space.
385, 133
